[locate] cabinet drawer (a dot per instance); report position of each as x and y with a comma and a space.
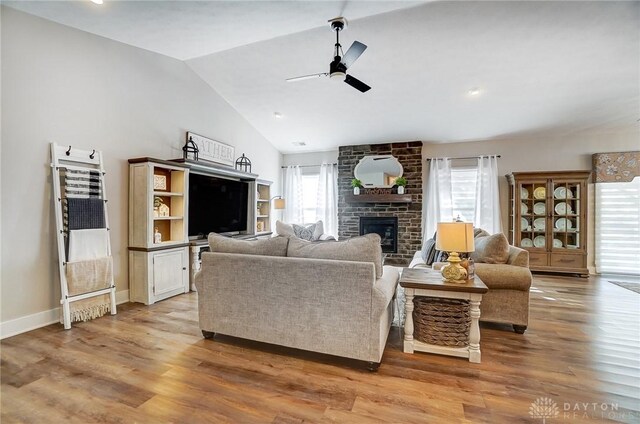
568, 261
538, 259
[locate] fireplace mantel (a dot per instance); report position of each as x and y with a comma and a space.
378, 198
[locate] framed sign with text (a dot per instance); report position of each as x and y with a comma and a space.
213, 151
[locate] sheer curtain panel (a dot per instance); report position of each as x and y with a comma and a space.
293, 212
439, 207
327, 202
487, 213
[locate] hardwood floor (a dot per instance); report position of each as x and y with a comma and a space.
151, 365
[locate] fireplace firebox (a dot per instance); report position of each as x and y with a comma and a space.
386, 227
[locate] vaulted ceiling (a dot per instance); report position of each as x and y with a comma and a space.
536, 66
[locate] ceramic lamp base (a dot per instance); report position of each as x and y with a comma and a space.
454, 272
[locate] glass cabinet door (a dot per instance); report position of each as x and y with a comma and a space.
565, 215
532, 208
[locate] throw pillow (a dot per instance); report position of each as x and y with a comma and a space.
357, 249
310, 232
276, 246
440, 256
428, 251
284, 229
493, 249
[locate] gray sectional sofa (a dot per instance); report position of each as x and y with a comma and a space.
328, 297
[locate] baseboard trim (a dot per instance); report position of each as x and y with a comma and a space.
42, 319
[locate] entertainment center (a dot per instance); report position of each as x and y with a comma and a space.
173, 206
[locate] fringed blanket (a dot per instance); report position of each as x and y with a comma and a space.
85, 277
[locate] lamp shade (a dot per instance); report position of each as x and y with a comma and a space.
455, 237
278, 203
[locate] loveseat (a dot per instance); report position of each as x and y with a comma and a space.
328, 297
508, 279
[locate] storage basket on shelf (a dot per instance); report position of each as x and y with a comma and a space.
443, 322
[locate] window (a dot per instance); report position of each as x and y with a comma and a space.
309, 197
463, 192
618, 227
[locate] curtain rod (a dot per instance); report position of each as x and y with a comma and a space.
467, 157
308, 166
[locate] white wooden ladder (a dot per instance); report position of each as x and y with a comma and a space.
63, 158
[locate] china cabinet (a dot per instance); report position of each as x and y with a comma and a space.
548, 217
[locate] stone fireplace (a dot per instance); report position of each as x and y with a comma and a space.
407, 213
386, 228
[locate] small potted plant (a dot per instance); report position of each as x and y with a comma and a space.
356, 184
401, 182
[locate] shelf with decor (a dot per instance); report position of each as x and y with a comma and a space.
547, 216
158, 252
263, 208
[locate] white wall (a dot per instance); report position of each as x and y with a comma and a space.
309, 160
64, 85
314, 158
543, 153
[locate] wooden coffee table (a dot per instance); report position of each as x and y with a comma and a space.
427, 282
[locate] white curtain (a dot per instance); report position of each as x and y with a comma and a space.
327, 201
487, 214
293, 195
438, 199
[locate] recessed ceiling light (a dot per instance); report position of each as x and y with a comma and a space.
96, 1
474, 91
299, 143
277, 115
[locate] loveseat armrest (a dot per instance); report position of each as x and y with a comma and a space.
504, 276
384, 288
417, 261
518, 257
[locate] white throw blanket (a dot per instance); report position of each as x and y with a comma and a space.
88, 244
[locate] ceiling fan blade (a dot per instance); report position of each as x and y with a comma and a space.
354, 52
304, 77
357, 84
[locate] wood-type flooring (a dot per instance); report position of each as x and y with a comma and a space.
150, 364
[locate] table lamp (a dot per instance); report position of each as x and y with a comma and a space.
455, 237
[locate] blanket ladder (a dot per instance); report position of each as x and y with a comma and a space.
64, 159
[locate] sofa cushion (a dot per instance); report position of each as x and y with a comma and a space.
493, 249
357, 249
276, 246
310, 232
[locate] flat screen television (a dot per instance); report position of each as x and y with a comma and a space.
216, 205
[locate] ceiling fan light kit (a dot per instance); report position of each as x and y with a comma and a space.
338, 67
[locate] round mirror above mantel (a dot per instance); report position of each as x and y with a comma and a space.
380, 171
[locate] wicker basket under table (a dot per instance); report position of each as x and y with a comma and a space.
442, 322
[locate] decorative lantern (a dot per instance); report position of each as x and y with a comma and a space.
190, 147
243, 164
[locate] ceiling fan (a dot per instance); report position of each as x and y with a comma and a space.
338, 68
